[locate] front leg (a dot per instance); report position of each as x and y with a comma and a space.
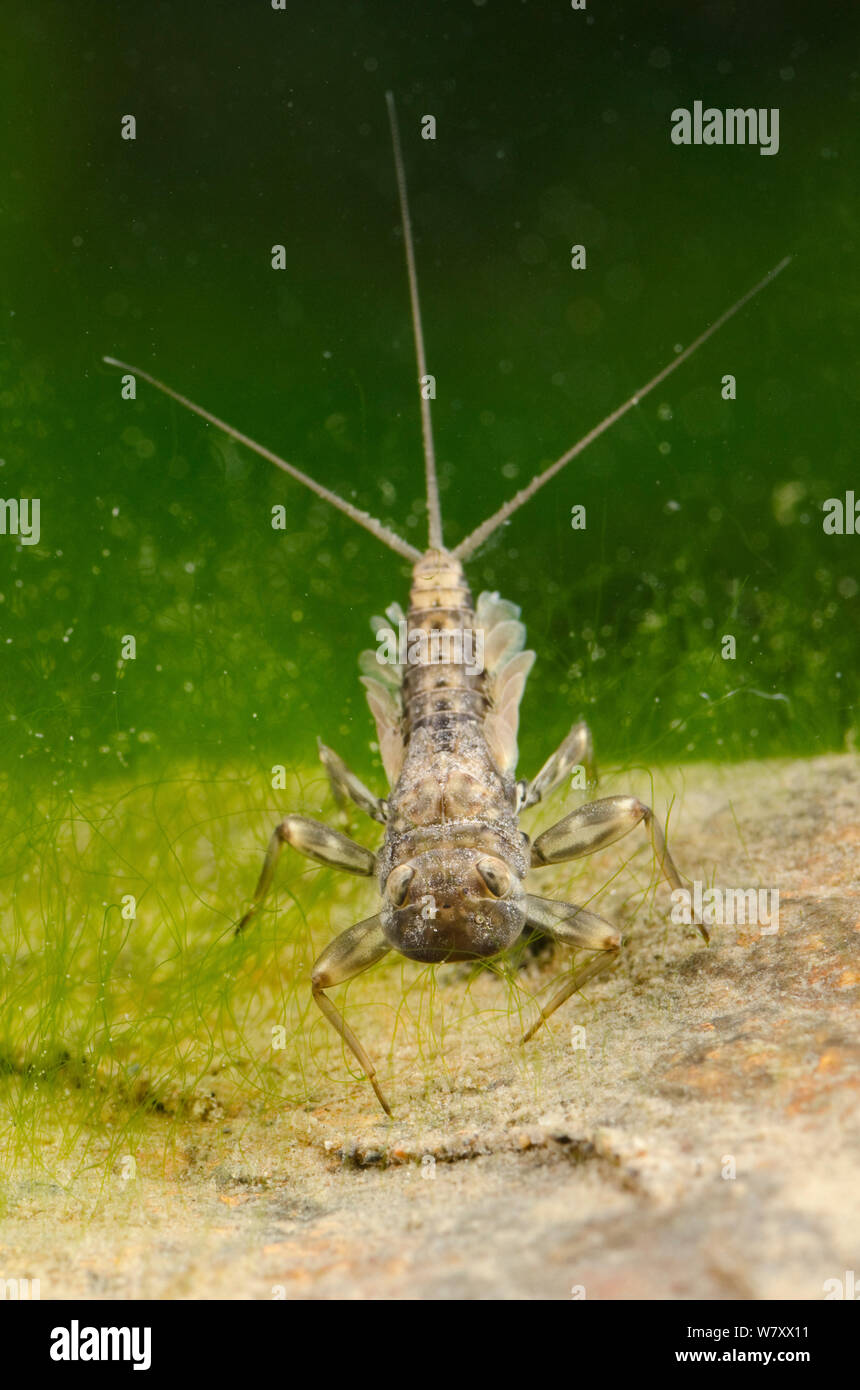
600, 823
348, 955
579, 928
318, 842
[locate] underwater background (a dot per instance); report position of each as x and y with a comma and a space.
257, 127
153, 776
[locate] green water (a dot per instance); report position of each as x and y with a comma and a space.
137, 793
256, 127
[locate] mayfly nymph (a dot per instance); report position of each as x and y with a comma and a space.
453, 862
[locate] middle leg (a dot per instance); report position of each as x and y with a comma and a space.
318, 842
600, 823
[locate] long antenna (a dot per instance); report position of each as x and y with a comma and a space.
376, 528
433, 510
468, 546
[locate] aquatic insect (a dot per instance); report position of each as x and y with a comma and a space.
445, 699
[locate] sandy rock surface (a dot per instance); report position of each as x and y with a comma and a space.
687, 1127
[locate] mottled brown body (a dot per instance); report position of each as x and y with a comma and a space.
452, 808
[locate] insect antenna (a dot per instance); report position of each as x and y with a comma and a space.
370, 523
433, 511
471, 543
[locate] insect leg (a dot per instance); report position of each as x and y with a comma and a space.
318, 842
345, 783
579, 928
576, 750
348, 955
600, 823
602, 961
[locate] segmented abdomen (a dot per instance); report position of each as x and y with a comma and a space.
445, 698
444, 684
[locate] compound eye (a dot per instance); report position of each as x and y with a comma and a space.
496, 875
398, 883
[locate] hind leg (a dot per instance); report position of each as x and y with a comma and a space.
344, 783
577, 750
